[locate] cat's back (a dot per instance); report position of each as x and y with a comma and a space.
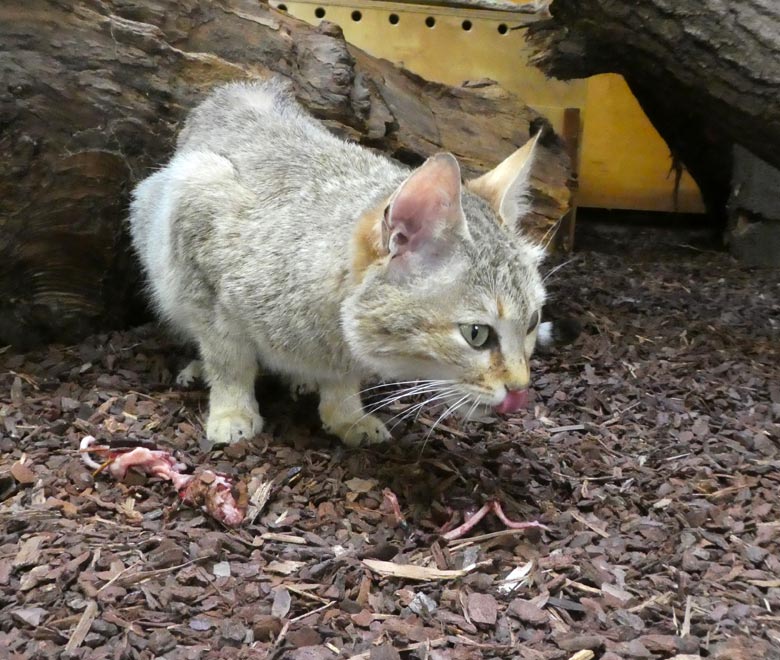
261, 128
239, 115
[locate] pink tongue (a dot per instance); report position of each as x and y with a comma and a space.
514, 400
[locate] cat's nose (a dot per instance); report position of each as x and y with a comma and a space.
513, 401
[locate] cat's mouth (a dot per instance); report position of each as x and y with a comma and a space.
513, 401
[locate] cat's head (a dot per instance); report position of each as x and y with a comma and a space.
446, 287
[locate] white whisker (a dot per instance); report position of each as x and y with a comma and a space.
403, 382
407, 391
456, 408
472, 409
557, 268
447, 410
397, 396
418, 407
552, 230
387, 401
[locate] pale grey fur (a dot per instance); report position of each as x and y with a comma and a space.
246, 237
544, 336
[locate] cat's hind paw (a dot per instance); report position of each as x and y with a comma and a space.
369, 430
191, 374
232, 424
300, 387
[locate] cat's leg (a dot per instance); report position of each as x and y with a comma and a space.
190, 374
230, 366
342, 414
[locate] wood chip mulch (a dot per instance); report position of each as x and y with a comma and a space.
652, 454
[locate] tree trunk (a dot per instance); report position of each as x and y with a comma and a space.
706, 72
92, 93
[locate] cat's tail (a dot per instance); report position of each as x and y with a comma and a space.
559, 332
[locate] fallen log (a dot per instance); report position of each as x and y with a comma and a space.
94, 91
706, 72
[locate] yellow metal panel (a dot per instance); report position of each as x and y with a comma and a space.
624, 163
446, 52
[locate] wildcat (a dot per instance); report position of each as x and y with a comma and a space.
267, 239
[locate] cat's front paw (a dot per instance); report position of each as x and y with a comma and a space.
232, 424
369, 430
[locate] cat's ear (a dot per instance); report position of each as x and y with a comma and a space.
506, 187
425, 211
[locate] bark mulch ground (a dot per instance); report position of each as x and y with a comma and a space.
651, 453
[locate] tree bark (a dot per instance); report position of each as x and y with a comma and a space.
94, 91
706, 72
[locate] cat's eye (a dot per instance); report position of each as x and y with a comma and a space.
533, 322
478, 336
